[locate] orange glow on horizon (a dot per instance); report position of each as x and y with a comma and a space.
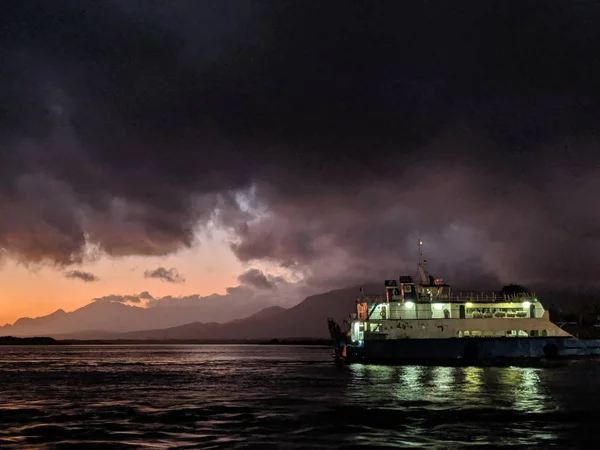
26, 293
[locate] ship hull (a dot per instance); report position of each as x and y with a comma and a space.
470, 351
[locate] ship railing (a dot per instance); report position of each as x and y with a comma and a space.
474, 297
483, 297
372, 298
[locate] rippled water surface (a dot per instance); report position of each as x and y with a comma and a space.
282, 397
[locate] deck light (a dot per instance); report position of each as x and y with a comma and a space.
526, 304
409, 304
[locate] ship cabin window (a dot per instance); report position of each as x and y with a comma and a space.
544, 332
440, 310
516, 333
374, 327
533, 333
488, 313
357, 333
490, 333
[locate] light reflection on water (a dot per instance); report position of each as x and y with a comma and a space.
490, 405
282, 397
518, 388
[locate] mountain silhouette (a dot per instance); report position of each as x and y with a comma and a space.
102, 318
308, 319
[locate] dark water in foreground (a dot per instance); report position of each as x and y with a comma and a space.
282, 397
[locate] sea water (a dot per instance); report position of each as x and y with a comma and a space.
210, 396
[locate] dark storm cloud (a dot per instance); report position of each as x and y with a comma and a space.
169, 275
80, 275
256, 278
353, 128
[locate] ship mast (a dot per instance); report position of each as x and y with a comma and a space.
421, 266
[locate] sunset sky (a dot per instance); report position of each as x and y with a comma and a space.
205, 269
293, 147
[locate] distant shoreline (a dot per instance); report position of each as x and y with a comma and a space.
315, 342
10, 340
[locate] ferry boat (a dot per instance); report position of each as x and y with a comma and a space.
420, 320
